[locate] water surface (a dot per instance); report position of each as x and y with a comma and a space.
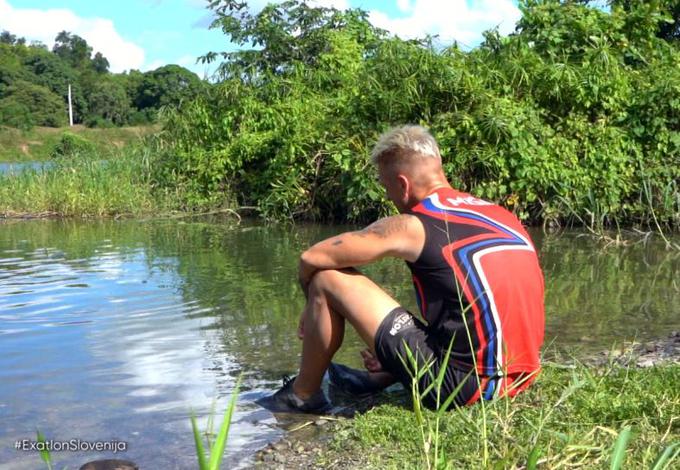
18, 167
115, 330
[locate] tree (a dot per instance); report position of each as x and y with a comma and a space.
108, 103
167, 85
283, 34
100, 63
44, 107
8, 38
11, 68
133, 82
668, 29
51, 71
73, 49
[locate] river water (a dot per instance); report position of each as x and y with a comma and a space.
18, 167
115, 330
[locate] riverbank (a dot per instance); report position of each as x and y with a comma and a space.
572, 416
90, 185
37, 144
86, 187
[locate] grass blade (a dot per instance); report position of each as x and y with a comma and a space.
669, 454
200, 451
452, 396
532, 461
221, 441
44, 453
619, 453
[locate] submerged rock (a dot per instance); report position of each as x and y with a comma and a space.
110, 464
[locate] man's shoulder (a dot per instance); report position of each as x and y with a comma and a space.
457, 207
391, 225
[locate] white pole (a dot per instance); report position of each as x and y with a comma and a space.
70, 108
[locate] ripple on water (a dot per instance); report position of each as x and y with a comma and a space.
119, 328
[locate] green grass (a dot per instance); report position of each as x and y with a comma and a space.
213, 459
569, 418
85, 186
36, 144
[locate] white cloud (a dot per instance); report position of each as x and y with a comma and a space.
186, 61
100, 33
404, 5
154, 64
457, 20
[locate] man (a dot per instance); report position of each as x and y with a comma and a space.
477, 280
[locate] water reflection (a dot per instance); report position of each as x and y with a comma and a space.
596, 297
115, 329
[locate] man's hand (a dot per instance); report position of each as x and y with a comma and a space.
371, 363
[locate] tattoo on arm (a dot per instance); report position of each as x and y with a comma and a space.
337, 242
383, 228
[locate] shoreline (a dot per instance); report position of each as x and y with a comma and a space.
327, 447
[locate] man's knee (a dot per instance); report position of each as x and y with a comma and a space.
327, 279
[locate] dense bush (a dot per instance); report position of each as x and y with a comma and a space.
31, 104
574, 117
70, 144
108, 103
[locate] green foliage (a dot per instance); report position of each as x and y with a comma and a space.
100, 64
167, 85
108, 103
669, 28
70, 145
217, 447
571, 119
38, 144
72, 48
16, 114
11, 67
50, 71
99, 98
31, 104
84, 187
628, 422
44, 453
8, 38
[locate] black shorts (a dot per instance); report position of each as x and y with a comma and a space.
401, 332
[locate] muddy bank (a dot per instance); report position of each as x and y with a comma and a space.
641, 354
308, 440
303, 449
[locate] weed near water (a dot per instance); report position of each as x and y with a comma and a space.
87, 184
213, 460
570, 417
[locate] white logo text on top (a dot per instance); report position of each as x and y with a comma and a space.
469, 201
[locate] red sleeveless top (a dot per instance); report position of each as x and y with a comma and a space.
479, 284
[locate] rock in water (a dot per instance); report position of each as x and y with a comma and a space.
110, 464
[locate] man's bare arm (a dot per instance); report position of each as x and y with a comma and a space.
401, 236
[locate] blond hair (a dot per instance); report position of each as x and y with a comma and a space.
404, 144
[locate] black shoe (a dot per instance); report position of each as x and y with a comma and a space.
353, 381
285, 401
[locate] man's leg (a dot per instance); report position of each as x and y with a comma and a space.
333, 297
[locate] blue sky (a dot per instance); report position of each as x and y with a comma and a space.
145, 34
